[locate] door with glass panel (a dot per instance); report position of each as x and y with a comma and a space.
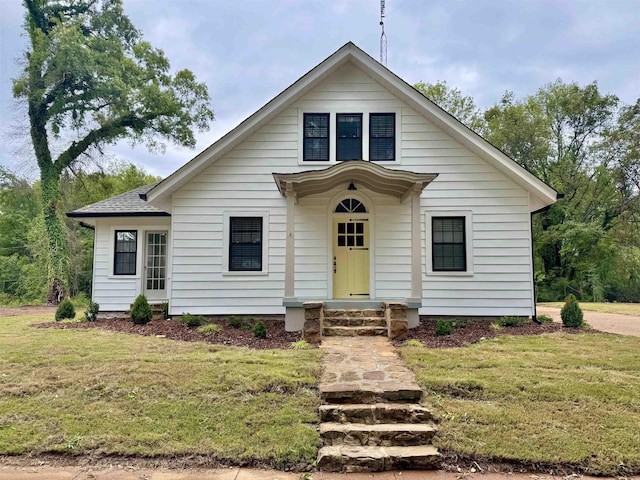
350, 258
155, 270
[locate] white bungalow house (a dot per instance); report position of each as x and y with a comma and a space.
348, 187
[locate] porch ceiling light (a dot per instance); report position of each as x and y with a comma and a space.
351, 187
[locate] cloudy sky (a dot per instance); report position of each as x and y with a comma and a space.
248, 51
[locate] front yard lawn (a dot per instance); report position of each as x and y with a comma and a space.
561, 402
99, 392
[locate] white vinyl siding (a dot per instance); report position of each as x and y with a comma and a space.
242, 181
117, 292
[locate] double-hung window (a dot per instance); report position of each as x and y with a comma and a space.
316, 137
125, 252
382, 137
245, 244
449, 248
348, 136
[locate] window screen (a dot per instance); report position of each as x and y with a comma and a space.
449, 250
245, 245
382, 136
316, 137
124, 257
349, 136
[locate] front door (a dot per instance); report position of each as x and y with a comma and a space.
155, 269
350, 257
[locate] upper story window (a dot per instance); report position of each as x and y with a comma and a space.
348, 136
125, 252
382, 137
316, 137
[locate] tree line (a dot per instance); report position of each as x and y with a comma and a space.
24, 252
90, 80
586, 145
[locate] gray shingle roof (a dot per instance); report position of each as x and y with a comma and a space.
128, 204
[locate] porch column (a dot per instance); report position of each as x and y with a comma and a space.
290, 247
416, 257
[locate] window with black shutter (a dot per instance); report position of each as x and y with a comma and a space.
382, 137
316, 137
245, 244
348, 136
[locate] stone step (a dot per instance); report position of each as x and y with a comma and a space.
348, 458
357, 394
382, 435
354, 322
375, 413
353, 331
353, 313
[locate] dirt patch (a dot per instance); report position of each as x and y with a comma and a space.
277, 337
474, 331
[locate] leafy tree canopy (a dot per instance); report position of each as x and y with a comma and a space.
91, 80
453, 101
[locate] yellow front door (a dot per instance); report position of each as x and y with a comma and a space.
350, 258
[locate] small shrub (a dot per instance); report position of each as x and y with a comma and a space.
571, 313
495, 326
239, 322
544, 319
260, 330
510, 321
65, 310
210, 328
141, 311
192, 320
92, 312
300, 345
413, 343
444, 327
164, 308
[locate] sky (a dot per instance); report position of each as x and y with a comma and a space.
248, 51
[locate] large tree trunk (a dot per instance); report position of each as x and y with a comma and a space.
58, 257
50, 183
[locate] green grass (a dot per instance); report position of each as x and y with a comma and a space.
621, 308
94, 391
562, 399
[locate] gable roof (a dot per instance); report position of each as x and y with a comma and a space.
128, 204
542, 194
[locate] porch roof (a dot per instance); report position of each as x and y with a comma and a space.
397, 183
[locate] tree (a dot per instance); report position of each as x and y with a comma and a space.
451, 99
571, 137
90, 80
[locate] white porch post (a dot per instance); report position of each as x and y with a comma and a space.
416, 257
289, 264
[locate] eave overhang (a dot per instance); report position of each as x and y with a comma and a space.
396, 183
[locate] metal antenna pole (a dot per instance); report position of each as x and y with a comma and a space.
383, 37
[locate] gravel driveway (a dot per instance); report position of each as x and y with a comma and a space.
605, 322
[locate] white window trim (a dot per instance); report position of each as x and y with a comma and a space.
226, 232
112, 247
468, 226
366, 112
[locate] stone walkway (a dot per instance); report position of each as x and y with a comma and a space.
371, 419
368, 369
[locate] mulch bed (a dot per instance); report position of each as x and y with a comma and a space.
477, 330
473, 332
237, 337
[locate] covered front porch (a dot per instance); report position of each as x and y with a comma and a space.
366, 218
